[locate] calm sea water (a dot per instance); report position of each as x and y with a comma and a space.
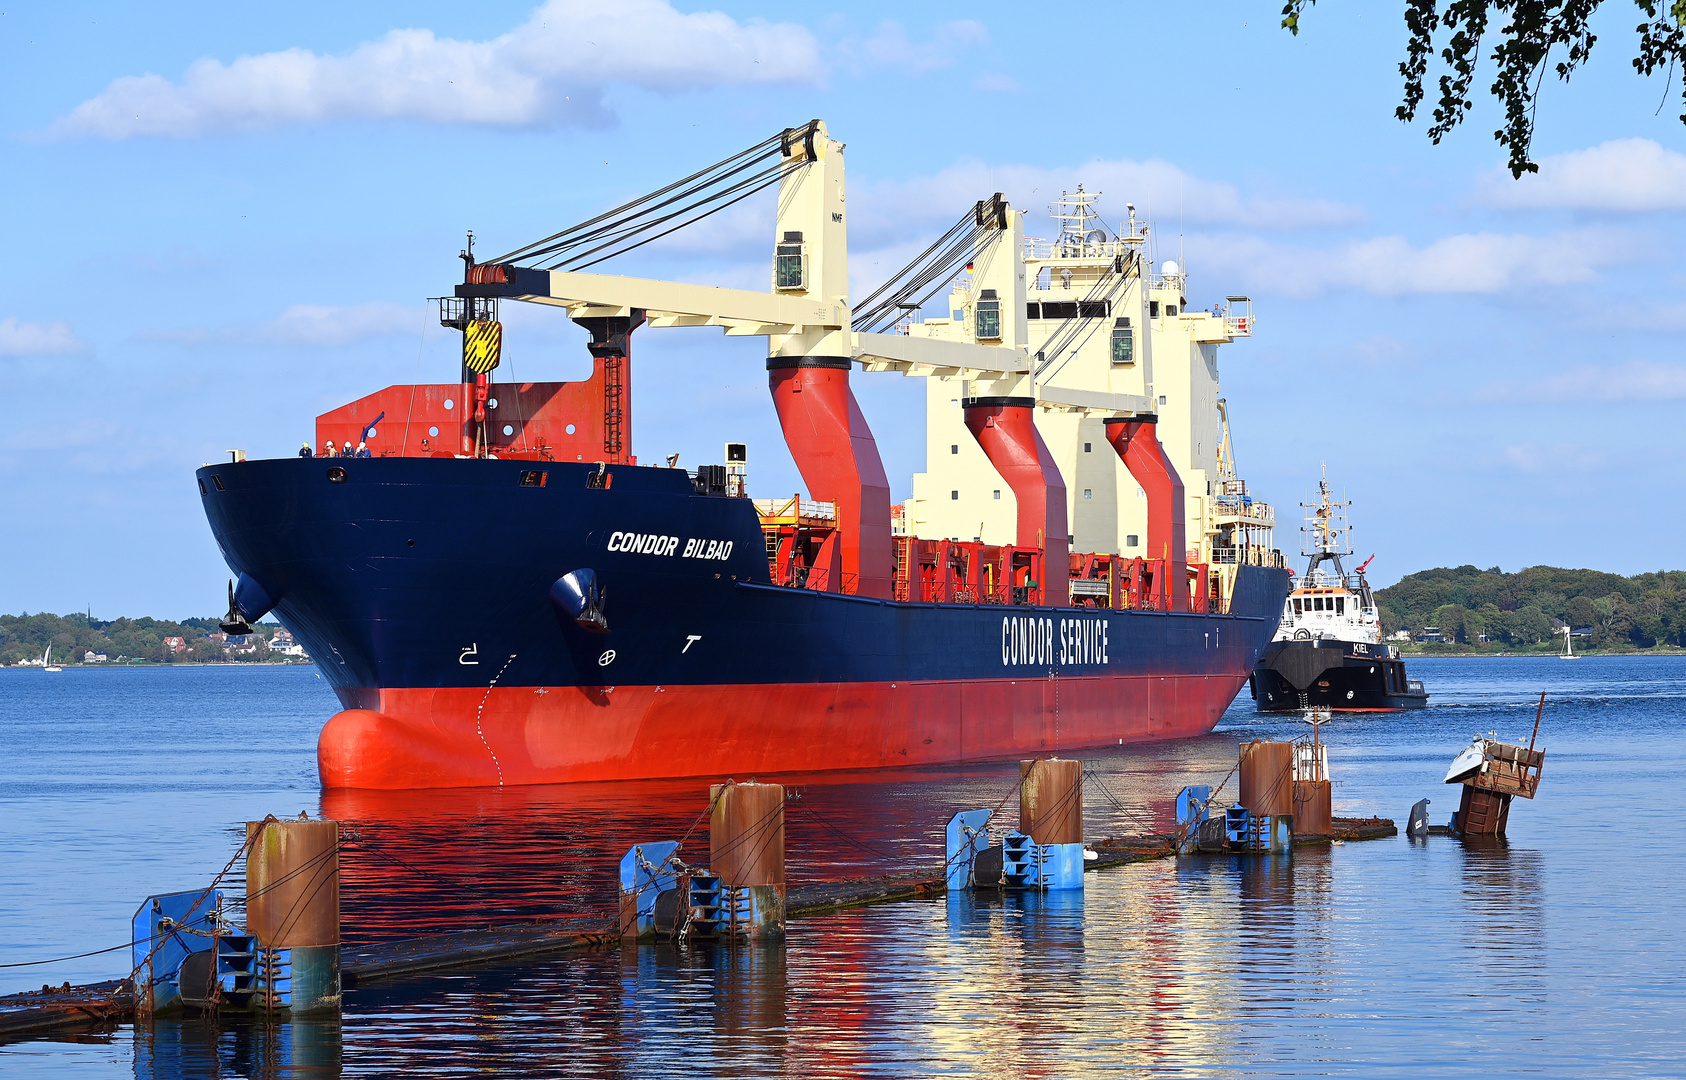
1556, 954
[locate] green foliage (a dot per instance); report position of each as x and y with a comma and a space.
1531, 34
26, 637
1518, 609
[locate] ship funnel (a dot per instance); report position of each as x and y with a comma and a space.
1136, 438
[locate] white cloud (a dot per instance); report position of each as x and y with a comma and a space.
312, 325
1476, 263
1156, 187
1621, 175
55, 338
551, 70
1560, 457
889, 46
996, 84
319, 325
1637, 380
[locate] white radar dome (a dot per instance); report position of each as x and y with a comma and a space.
1171, 267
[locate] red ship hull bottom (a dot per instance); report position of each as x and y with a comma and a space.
468, 737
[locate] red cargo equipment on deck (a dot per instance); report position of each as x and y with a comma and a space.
838, 458
1006, 430
1137, 441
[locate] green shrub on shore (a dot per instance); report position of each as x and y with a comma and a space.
1519, 612
26, 637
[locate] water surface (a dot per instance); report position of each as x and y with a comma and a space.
1554, 954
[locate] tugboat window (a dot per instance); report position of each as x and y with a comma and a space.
1340, 605
1297, 608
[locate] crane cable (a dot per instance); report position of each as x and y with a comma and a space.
724, 183
932, 269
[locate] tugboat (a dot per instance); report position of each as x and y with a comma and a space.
1328, 651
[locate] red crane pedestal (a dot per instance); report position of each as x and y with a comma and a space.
838, 458
1136, 439
1006, 430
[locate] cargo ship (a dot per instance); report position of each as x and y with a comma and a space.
502, 593
1328, 653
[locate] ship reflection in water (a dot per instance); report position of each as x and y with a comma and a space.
1553, 955
1208, 966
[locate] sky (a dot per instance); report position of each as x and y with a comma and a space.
225, 220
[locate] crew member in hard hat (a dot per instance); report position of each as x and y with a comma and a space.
305, 451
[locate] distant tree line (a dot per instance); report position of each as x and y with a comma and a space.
26, 637
1524, 608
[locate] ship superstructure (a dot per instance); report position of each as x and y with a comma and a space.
505, 594
1108, 336
1328, 651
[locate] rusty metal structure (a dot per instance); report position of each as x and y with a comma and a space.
1051, 800
293, 912
746, 852
1492, 774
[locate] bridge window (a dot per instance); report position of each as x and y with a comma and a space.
1088, 493
1132, 541
997, 493
955, 495
954, 448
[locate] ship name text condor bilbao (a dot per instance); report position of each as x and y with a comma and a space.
657, 544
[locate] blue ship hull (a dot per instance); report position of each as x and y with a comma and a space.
421, 587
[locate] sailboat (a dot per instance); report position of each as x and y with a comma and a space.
1568, 649
47, 661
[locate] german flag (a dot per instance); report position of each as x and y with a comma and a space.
482, 345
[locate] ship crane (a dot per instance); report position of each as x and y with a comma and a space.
815, 338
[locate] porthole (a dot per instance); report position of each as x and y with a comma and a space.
336, 475
492, 404
409, 543
508, 430
433, 433
449, 404
570, 429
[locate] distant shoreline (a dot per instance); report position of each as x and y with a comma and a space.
111, 664
1600, 654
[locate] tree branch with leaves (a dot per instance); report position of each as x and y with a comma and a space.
1536, 36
